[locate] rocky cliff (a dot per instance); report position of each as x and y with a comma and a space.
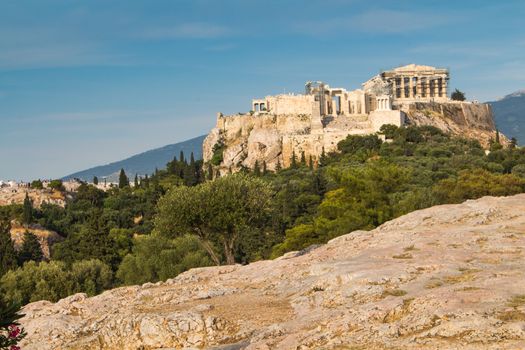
447, 277
269, 138
471, 120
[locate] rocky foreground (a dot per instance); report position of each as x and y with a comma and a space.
448, 277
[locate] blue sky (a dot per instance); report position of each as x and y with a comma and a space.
84, 83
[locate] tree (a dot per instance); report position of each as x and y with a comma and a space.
278, 166
181, 157
95, 180
27, 214
513, 143
264, 168
303, 159
256, 169
293, 160
458, 95
136, 181
56, 185
210, 172
7, 250
30, 250
310, 162
37, 184
219, 212
156, 258
123, 180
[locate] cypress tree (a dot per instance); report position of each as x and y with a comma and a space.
192, 159
293, 161
310, 162
323, 157
136, 181
27, 214
210, 172
181, 157
265, 169
278, 165
30, 250
7, 250
303, 159
123, 180
497, 135
95, 180
256, 169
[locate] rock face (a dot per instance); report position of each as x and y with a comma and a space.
471, 120
273, 138
38, 197
448, 277
46, 238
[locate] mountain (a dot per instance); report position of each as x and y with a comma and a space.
143, 163
509, 115
446, 277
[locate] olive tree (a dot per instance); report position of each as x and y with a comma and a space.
218, 212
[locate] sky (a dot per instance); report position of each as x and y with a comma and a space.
85, 83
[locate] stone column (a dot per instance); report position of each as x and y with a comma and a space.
428, 87
410, 87
445, 93
402, 87
436, 88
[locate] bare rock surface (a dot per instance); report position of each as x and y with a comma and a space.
46, 238
447, 277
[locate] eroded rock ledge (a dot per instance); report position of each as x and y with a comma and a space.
447, 277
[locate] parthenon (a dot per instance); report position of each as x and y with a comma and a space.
389, 90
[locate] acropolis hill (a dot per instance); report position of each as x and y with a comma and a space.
317, 120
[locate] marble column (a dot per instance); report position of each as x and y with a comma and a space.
402, 87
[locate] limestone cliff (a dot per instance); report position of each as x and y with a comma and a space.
471, 120
447, 277
46, 238
271, 138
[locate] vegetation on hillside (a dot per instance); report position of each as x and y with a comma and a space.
184, 217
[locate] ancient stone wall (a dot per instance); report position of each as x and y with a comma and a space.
274, 138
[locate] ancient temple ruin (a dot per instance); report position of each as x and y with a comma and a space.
389, 90
308, 124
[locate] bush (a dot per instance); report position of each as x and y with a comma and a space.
156, 258
54, 280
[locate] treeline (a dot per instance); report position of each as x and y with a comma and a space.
179, 218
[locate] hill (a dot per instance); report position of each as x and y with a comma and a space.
509, 115
446, 277
143, 163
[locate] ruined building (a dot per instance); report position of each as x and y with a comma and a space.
386, 91
279, 126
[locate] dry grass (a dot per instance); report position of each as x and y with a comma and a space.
467, 289
517, 301
465, 276
434, 283
393, 292
511, 316
403, 256
410, 248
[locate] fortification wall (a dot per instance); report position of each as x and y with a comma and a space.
290, 104
273, 138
